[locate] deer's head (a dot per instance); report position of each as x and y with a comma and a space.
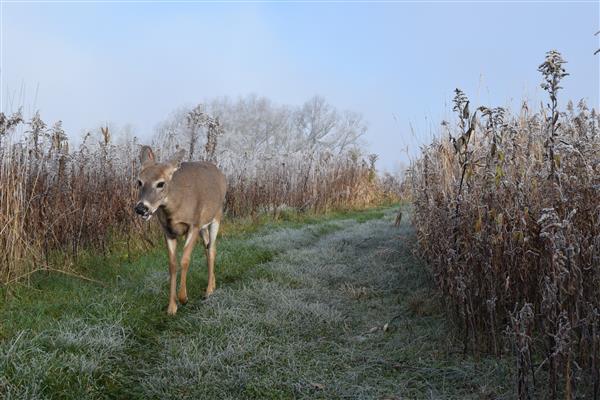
153, 181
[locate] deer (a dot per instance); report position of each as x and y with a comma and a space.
187, 199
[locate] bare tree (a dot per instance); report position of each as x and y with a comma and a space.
315, 121
253, 129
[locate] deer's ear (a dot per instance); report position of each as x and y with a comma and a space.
147, 155
177, 158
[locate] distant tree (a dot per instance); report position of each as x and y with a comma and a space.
254, 129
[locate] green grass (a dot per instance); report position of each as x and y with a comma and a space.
298, 313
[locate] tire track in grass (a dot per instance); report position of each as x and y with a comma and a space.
346, 314
333, 309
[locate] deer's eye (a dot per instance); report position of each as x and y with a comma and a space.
160, 185
139, 183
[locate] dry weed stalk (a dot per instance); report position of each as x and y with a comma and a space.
512, 220
56, 201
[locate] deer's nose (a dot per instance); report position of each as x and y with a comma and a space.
141, 209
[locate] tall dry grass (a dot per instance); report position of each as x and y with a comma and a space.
507, 212
56, 200
319, 183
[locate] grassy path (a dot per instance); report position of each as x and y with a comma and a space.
337, 308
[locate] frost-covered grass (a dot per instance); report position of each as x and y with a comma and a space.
299, 312
66, 359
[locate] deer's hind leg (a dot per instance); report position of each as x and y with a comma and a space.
206, 239
211, 254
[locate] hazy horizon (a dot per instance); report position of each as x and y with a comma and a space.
397, 64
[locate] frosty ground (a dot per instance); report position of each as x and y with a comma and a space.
335, 307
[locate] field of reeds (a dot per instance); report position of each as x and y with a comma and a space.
58, 200
507, 213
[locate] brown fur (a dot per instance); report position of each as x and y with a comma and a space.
190, 203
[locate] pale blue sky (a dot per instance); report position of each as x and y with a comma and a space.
396, 63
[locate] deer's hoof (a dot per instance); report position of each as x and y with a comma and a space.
183, 299
172, 309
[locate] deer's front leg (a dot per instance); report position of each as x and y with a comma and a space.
190, 241
172, 247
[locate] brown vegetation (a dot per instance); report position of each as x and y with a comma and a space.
507, 212
56, 201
